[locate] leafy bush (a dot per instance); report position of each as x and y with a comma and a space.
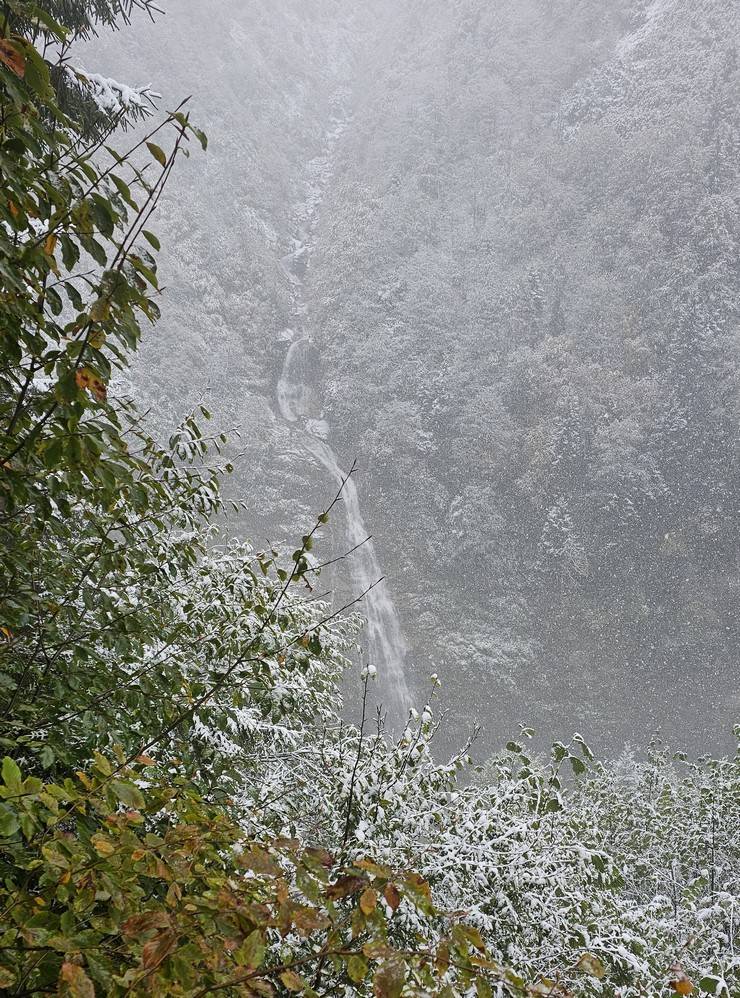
123, 633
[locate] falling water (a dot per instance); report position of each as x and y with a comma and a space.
299, 405
387, 646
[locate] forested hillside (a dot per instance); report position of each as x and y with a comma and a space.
527, 288
268, 83
522, 293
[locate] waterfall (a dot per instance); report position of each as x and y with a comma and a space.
386, 645
299, 405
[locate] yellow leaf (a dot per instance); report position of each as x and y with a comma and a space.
590, 964
174, 894
100, 310
544, 987
158, 153
369, 901
292, 981
7, 978
103, 845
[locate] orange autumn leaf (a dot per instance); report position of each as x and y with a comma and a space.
78, 984
681, 984
12, 57
88, 380
392, 896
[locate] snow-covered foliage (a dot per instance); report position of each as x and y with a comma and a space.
562, 864
111, 97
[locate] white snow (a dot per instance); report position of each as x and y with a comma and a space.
110, 95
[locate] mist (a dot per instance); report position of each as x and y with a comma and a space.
488, 253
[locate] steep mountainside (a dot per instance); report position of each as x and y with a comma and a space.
509, 233
528, 293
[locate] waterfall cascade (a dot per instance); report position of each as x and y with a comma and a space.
299, 405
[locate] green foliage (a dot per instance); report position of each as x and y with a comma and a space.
70, 19
124, 634
536, 350
172, 745
88, 502
54, 26
114, 885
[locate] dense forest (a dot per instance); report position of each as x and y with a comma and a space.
491, 252
521, 282
549, 193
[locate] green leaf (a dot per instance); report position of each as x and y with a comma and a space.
251, 953
9, 824
157, 152
578, 766
11, 775
102, 765
709, 985
37, 73
357, 969
128, 794
44, 18
151, 239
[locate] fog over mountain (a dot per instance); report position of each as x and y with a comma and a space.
490, 251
